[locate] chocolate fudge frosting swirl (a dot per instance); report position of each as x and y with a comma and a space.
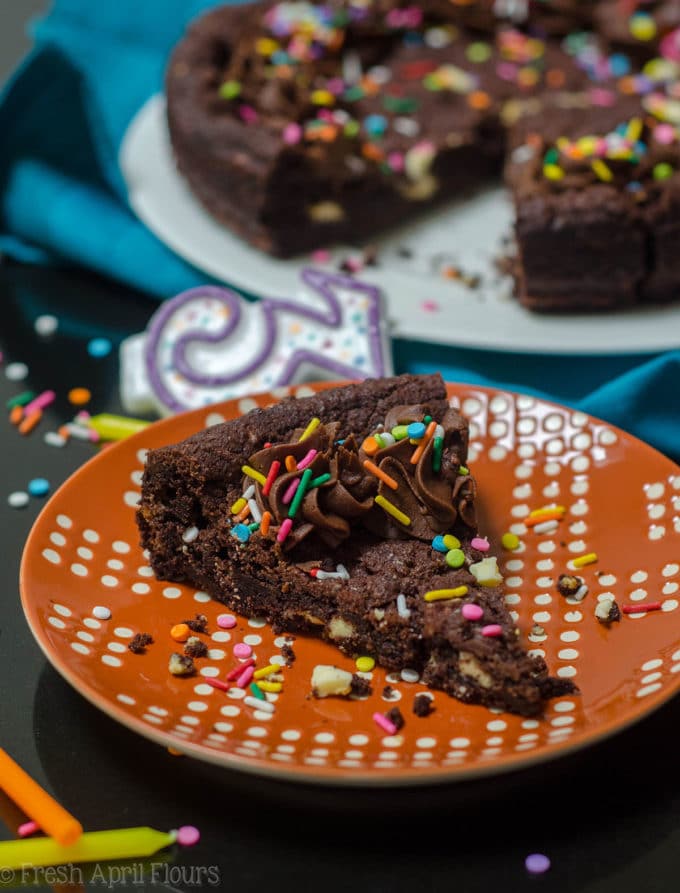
435, 502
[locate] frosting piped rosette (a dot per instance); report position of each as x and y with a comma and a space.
407, 479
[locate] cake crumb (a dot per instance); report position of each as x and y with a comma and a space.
195, 647
608, 611
395, 717
198, 625
360, 687
289, 655
568, 584
422, 705
138, 643
181, 665
387, 692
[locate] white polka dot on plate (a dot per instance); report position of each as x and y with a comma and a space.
172, 592
648, 689
607, 437
654, 491
80, 648
471, 406
567, 654
121, 547
197, 706
496, 725
256, 732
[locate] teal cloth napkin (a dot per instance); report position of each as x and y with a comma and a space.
63, 115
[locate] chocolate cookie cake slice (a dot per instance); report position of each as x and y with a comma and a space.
298, 125
348, 515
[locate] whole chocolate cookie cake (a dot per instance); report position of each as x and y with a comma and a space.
301, 124
349, 515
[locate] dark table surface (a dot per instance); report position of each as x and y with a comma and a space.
608, 817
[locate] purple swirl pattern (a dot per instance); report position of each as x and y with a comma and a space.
334, 316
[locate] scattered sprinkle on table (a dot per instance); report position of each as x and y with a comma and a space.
46, 325
99, 347
226, 621
583, 560
79, 396
101, 612
42, 401
39, 487
18, 499
30, 422
537, 863
188, 835
22, 399
16, 371
53, 438
28, 828
364, 664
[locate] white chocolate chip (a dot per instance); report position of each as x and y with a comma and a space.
419, 190
486, 572
328, 681
469, 666
418, 161
326, 212
190, 534
340, 629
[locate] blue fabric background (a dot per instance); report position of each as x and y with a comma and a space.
62, 199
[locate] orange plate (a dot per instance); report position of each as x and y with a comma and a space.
623, 502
